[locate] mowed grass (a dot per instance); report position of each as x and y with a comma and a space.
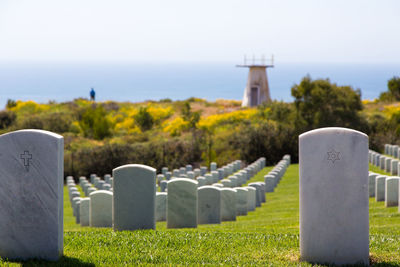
267, 236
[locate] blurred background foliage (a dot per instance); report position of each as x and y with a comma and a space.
100, 136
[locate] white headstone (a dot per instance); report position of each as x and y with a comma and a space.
392, 191
209, 205
371, 184
228, 204
84, 211
213, 166
393, 169
161, 206
251, 198
134, 197
269, 181
388, 164
31, 195
100, 210
257, 186
380, 182
182, 203
241, 200
334, 222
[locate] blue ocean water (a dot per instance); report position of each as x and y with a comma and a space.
138, 82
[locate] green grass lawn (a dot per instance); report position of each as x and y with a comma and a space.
267, 236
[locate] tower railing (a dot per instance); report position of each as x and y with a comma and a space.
261, 61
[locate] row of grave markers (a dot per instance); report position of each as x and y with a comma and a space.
382, 187
385, 163
392, 150
232, 172
187, 205
333, 194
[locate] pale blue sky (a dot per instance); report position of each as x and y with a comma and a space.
129, 31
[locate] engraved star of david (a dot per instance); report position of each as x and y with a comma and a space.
333, 155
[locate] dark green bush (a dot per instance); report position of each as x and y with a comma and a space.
7, 118
58, 122
144, 119
320, 103
31, 122
11, 103
173, 153
94, 123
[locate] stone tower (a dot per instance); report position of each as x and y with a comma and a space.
257, 89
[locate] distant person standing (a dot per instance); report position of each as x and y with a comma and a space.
92, 95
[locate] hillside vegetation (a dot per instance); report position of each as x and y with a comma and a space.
100, 136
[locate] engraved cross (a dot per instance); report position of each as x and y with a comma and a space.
26, 157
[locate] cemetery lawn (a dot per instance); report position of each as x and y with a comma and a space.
267, 236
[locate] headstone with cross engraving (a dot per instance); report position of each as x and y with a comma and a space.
334, 226
31, 195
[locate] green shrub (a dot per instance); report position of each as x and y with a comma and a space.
102, 159
31, 122
94, 123
320, 103
144, 119
58, 122
7, 118
11, 103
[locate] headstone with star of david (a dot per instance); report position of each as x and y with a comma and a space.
334, 224
31, 195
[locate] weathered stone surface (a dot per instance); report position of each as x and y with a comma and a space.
31, 195
392, 191
134, 197
161, 206
84, 211
228, 204
334, 219
182, 203
241, 200
209, 205
100, 210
